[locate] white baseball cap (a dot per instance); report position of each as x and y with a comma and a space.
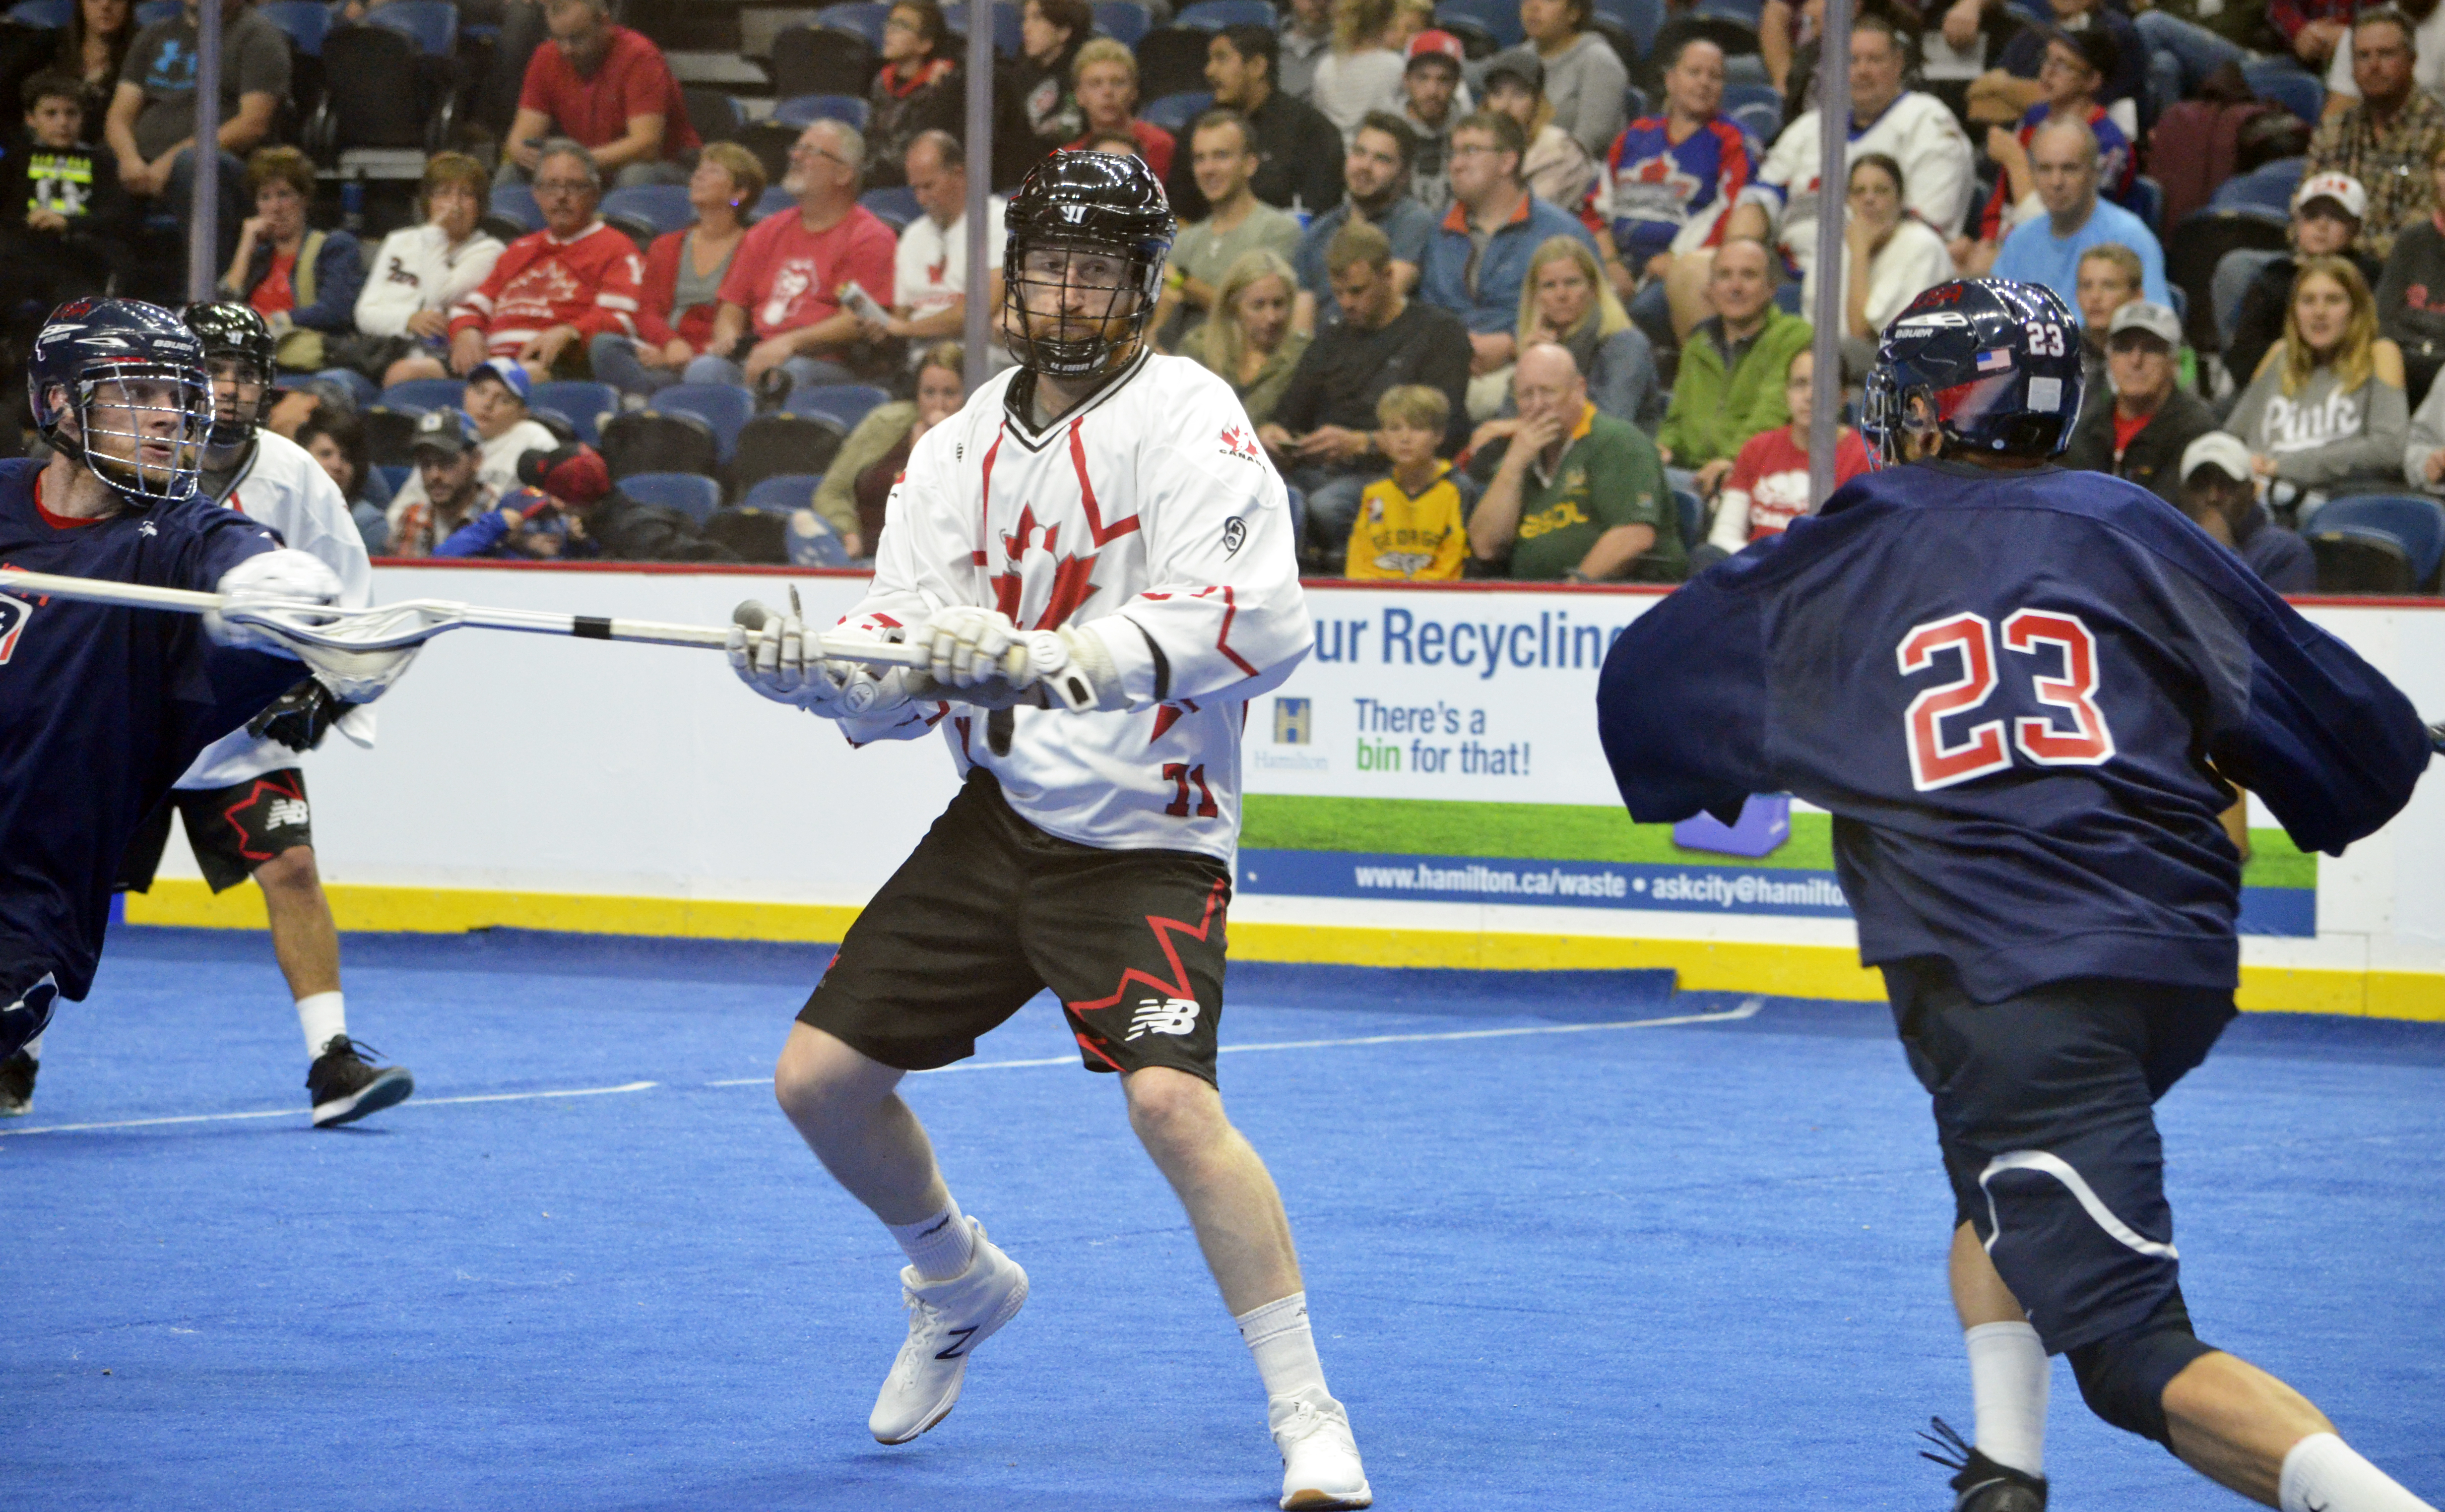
2142, 314
2343, 188
2221, 450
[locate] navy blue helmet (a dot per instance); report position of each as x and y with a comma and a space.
1991, 364
1108, 213
133, 379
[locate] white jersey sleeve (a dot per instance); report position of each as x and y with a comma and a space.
284, 488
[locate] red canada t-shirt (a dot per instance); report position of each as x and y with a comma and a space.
787, 277
632, 81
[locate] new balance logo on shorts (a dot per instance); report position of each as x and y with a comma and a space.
1164, 1016
285, 813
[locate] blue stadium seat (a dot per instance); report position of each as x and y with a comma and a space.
812, 542
1640, 19
515, 204
1009, 37
361, 388
1124, 21
1498, 19
1746, 68
584, 405
844, 404
1764, 123
152, 13
51, 15
725, 407
2289, 84
1175, 112
421, 393
2235, 272
774, 201
2148, 204
1737, 95
2267, 187
1213, 15
863, 19
665, 207
695, 496
1745, 11
897, 207
2416, 524
782, 493
808, 109
1786, 297
396, 476
434, 24
1693, 517
307, 22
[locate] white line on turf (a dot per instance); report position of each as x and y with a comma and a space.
291, 1112
1748, 1009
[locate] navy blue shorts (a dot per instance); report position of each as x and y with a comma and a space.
2045, 1113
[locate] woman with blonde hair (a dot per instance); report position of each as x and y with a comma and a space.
1249, 343
420, 271
2326, 411
1362, 72
1566, 299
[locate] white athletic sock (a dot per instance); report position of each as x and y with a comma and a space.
1284, 1345
2009, 1372
2323, 1474
941, 1247
33, 1048
322, 1014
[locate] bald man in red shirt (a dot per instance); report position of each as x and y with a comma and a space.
609, 90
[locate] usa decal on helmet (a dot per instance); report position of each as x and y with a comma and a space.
1983, 364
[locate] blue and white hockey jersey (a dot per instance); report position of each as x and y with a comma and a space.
2009, 689
102, 708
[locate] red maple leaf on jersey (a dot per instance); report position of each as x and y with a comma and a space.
1238, 442
1070, 586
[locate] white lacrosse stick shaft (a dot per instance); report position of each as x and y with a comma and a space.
395, 627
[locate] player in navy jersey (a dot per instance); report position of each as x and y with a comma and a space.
102, 707
2021, 693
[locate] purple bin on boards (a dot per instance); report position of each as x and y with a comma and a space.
1764, 824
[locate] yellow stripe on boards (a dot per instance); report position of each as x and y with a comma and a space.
1703, 965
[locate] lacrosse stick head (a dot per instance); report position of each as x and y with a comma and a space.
301, 625
132, 379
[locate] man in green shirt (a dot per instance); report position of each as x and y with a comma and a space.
1731, 384
1578, 497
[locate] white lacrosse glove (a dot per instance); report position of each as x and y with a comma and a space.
967, 646
1073, 669
774, 660
285, 575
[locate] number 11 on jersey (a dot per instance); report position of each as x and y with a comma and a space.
2043, 633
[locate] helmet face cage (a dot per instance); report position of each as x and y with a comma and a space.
110, 387
236, 333
1112, 319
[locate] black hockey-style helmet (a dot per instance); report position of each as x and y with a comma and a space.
1993, 363
89, 348
1085, 203
229, 329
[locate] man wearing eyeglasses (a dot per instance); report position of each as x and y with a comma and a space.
783, 323
552, 291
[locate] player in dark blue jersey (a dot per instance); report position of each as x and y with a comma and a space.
101, 707
2023, 694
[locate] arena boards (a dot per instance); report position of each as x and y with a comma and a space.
1425, 790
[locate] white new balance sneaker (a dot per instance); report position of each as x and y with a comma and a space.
946, 1320
1320, 1464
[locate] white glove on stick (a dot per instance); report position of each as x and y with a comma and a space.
969, 646
770, 651
282, 575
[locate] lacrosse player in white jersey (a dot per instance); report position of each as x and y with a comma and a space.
244, 799
1101, 561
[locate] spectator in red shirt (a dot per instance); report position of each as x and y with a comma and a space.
554, 291
684, 274
1106, 84
781, 306
607, 88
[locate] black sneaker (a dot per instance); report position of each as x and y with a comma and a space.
344, 1086
1983, 1486
17, 1085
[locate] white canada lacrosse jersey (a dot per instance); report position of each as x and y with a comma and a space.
1918, 131
1150, 516
284, 488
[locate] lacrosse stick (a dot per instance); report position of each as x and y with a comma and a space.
413, 622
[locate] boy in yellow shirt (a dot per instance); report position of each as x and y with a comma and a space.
1409, 525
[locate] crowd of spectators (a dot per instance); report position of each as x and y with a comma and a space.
1490, 314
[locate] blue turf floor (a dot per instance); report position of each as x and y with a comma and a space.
1586, 1267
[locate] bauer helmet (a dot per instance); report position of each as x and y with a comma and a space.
1088, 317
1990, 364
235, 332
94, 351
